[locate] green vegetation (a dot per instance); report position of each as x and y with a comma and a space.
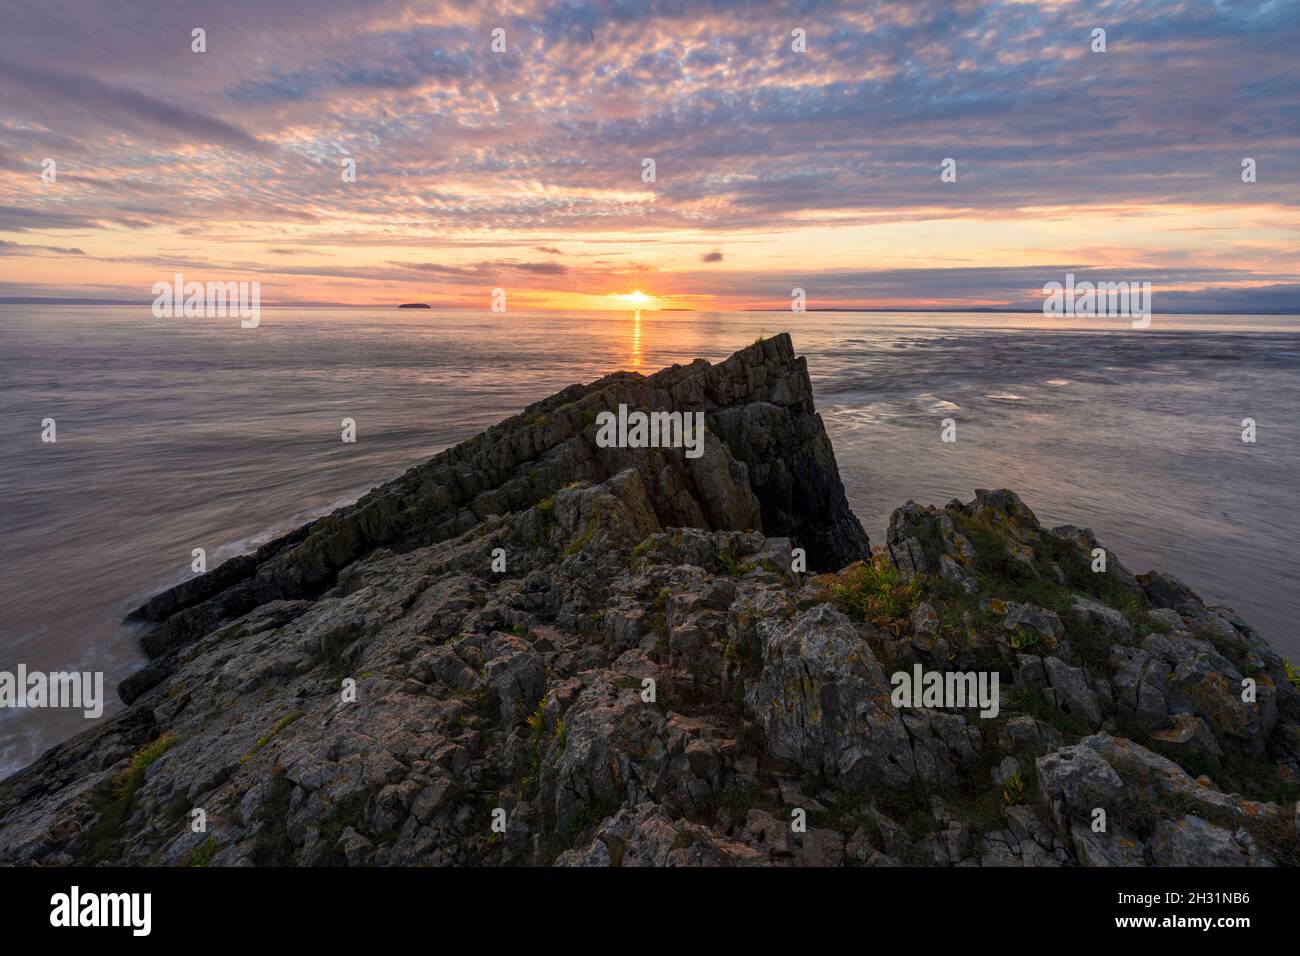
731, 564
1024, 637
115, 803
539, 738
1013, 789
148, 755
202, 854
657, 619
545, 519
1000, 574
267, 737
876, 591
580, 542
536, 721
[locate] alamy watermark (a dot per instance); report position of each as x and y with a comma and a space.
651, 430
194, 300
1124, 299
75, 689
75, 908
923, 688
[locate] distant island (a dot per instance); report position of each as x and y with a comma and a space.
415, 305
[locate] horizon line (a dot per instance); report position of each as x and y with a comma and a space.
396, 306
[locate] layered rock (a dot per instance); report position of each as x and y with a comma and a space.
767, 466
653, 679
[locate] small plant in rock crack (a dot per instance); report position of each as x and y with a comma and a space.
732, 565
538, 738
1292, 672
1022, 638
546, 520
876, 591
1013, 789
203, 853
117, 800
536, 721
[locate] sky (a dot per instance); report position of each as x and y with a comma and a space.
524, 169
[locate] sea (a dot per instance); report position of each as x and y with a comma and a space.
174, 434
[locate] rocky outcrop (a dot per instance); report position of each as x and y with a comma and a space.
767, 466
652, 679
1122, 805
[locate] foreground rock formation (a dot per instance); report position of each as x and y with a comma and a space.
653, 679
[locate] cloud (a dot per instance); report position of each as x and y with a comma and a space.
22, 219
12, 248
1282, 297
59, 98
487, 156
541, 268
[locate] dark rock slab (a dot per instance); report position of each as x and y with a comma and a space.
768, 467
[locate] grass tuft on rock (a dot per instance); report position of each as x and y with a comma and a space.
876, 591
115, 803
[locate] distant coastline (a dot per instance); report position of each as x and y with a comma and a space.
991, 310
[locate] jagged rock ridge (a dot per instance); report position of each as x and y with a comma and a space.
767, 466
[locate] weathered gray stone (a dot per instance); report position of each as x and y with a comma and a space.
822, 701
1191, 736
1111, 622
1068, 688
1035, 618
1191, 841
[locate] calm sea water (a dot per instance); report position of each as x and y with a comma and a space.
175, 434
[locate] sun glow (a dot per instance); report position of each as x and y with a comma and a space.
635, 298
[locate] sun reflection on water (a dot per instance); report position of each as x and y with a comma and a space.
634, 360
